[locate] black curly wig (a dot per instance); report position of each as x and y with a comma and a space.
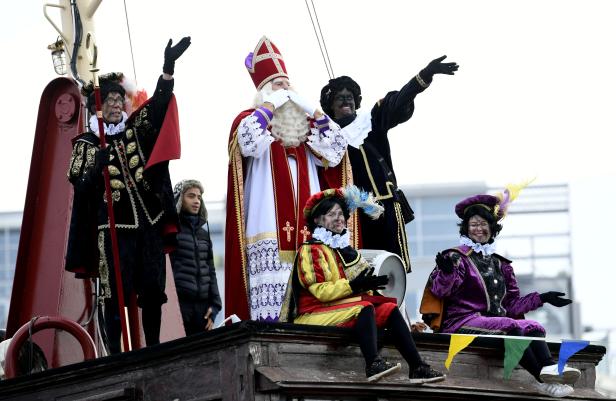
325, 206
480, 211
336, 85
108, 83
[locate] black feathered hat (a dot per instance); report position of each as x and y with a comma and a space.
108, 83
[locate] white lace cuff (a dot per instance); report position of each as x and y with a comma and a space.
330, 144
254, 139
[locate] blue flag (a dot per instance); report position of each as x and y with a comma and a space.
567, 349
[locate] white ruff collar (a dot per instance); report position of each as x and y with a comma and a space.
111, 129
358, 130
486, 249
331, 239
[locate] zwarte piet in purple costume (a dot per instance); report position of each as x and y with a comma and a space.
480, 294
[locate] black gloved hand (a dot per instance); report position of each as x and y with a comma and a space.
375, 283
101, 160
438, 67
554, 298
174, 53
444, 262
365, 281
357, 284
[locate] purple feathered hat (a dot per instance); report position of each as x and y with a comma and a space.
488, 202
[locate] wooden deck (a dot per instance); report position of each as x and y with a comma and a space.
258, 361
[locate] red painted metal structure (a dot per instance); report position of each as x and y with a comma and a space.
41, 286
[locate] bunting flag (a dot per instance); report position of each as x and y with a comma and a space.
514, 349
567, 349
456, 344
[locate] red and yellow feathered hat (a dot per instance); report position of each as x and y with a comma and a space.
265, 63
317, 198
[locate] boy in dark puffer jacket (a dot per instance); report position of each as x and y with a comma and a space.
193, 261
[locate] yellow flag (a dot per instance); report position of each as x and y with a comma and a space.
456, 344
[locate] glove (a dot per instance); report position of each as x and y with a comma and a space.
554, 298
444, 263
277, 98
101, 159
304, 104
437, 67
174, 53
366, 281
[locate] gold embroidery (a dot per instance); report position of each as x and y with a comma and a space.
117, 184
129, 133
133, 162
103, 267
287, 228
78, 159
113, 170
111, 157
130, 148
139, 174
90, 154
378, 196
261, 236
115, 195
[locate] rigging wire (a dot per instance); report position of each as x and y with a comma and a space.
323, 39
330, 73
132, 55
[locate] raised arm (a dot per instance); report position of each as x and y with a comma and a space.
164, 88
398, 106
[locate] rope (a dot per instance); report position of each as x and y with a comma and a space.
132, 55
330, 72
323, 39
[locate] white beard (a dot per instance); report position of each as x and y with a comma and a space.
289, 124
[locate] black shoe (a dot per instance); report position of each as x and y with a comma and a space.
380, 368
425, 374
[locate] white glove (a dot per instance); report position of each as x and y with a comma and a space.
277, 98
305, 105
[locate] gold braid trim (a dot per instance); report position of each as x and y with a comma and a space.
402, 240
103, 266
235, 159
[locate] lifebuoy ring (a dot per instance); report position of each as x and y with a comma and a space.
41, 323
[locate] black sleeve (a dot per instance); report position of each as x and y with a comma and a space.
159, 102
83, 172
396, 107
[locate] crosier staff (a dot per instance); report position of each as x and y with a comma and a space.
112, 229
126, 342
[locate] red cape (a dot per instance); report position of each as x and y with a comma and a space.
236, 275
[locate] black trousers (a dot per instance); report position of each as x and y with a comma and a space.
193, 313
536, 356
142, 263
395, 329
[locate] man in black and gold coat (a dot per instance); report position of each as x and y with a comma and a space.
142, 200
369, 150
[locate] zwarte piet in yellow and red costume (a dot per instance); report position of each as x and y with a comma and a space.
332, 285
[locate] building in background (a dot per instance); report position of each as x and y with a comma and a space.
10, 224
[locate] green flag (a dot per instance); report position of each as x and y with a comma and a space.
514, 349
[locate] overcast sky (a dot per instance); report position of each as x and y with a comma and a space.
533, 96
